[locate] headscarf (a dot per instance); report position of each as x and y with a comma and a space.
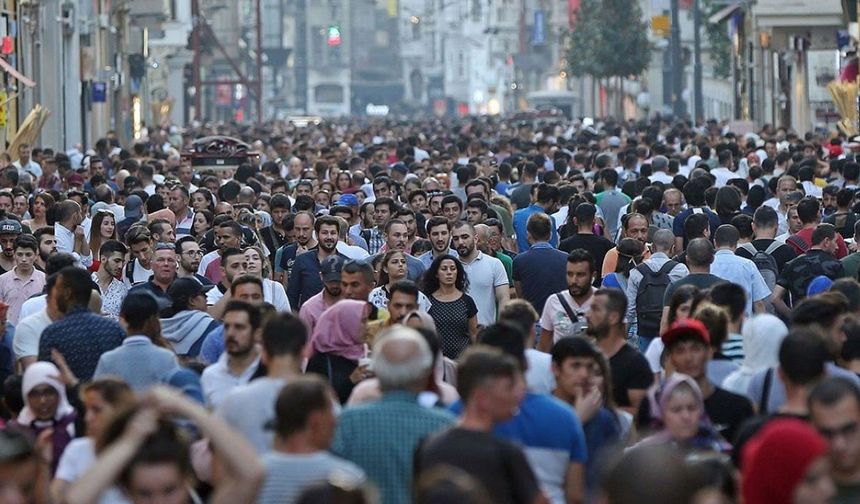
43, 373
776, 460
706, 439
762, 336
339, 328
265, 217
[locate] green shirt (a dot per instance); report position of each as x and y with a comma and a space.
508, 263
381, 437
851, 263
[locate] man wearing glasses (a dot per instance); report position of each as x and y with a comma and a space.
834, 408
189, 253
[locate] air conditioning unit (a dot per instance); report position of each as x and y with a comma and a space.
149, 13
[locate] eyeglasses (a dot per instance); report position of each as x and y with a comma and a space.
193, 253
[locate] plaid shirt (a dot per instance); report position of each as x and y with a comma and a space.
381, 438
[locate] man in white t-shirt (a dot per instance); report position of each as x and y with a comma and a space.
488, 281
564, 312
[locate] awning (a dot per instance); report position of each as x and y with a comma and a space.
722, 14
15, 73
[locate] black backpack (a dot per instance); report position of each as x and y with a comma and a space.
649, 298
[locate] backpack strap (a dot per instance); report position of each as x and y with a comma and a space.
749, 247
570, 313
765, 391
129, 271
772, 247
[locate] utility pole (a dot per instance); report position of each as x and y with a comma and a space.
677, 71
698, 100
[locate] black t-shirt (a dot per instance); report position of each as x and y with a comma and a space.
595, 245
701, 280
727, 411
497, 464
630, 371
782, 255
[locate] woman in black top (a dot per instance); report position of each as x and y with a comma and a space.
453, 311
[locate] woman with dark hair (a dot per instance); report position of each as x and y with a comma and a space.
202, 223
103, 229
630, 255
202, 200
755, 199
728, 203
453, 311
392, 268
343, 182
43, 203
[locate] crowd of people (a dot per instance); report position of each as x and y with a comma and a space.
477, 310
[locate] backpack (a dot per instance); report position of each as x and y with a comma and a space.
765, 262
649, 297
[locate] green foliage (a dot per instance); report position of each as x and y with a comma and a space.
720, 47
610, 39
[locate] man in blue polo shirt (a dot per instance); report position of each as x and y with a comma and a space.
547, 203
540, 271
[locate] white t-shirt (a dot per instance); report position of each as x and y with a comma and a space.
29, 332
32, 305
555, 318
77, 458
485, 273
539, 377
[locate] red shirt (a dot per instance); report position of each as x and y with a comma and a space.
806, 235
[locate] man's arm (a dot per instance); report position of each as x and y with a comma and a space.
574, 483
502, 296
546, 339
778, 304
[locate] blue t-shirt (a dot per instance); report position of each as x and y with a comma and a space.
601, 432
521, 218
541, 271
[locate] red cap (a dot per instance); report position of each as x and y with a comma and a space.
75, 179
686, 327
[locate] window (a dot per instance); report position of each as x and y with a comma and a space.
328, 93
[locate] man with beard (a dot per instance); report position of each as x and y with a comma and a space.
228, 235
305, 280
303, 228
564, 313
112, 261
189, 254
439, 233
397, 238
241, 359
488, 282
330, 274
10, 230
631, 375
233, 264
47, 246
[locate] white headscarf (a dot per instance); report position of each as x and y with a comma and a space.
762, 336
43, 373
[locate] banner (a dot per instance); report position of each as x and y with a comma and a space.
539, 29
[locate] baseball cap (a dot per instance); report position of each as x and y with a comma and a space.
348, 200
614, 141
75, 179
330, 268
187, 288
133, 207
818, 285
10, 226
400, 167
689, 327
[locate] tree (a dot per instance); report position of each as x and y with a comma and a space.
610, 39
